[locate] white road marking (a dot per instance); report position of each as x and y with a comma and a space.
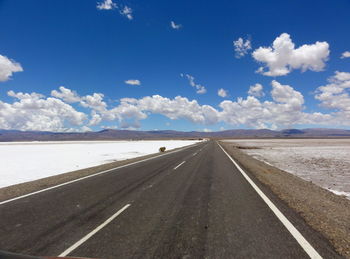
295, 233
92, 175
85, 238
176, 167
195, 154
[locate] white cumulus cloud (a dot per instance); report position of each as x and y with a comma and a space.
35, 112
285, 109
94, 102
345, 54
335, 95
8, 67
256, 90
241, 47
222, 93
106, 5
133, 110
283, 57
95, 119
200, 89
133, 82
286, 94
66, 95
175, 26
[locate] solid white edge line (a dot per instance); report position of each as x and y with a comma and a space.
294, 232
176, 167
92, 175
85, 238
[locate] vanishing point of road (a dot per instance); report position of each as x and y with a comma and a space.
192, 203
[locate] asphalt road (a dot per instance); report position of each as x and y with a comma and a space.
193, 203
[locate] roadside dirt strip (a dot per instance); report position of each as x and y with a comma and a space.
324, 211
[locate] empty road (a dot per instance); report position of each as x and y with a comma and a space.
194, 203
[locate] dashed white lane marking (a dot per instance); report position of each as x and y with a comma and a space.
93, 175
295, 233
85, 238
195, 154
176, 167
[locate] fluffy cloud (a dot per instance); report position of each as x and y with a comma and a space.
286, 94
335, 96
25, 96
94, 102
241, 47
222, 93
66, 95
132, 110
95, 119
8, 67
175, 26
35, 112
200, 88
106, 5
256, 90
345, 54
179, 108
283, 57
133, 82
340, 77
285, 110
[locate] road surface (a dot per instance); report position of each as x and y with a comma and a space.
194, 203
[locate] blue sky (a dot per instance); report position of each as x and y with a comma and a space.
86, 49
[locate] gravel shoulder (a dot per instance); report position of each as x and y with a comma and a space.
16, 190
327, 213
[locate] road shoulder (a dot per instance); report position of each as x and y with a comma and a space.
324, 211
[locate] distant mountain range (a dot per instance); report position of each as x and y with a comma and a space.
111, 134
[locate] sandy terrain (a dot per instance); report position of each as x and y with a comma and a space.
325, 162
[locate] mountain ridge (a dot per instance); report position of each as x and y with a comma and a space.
114, 134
